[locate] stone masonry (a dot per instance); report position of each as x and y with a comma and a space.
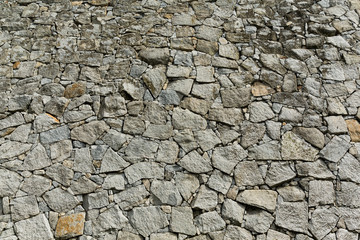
179, 119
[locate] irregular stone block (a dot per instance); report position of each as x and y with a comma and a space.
70, 226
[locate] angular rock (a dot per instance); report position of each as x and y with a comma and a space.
112, 162
60, 200
233, 211
258, 220
168, 152
275, 235
60, 173
336, 124
291, 193
187, 184
162, 132
112, 218
96, 200
279, 173
83, 161
169, 97
229, 51
209, 222
272, 61
155, 55
185, 138
10, 184
182, 221
236, 97
23, 208
205, 199
195, 163
10, 149
290, 115
13, 120
89, 132
237, 233
178, 71
34, 228
247, 173
69, 226
61, 150
36, 185
83, 186
208, 91
206, 139
317, 169
36, 159
205, 74
260, 111
348, 168
322, 222
131, 197
166, 192
348, 195
114, 139
295, 148
259, 89
113, 106
251, 133
56, 106
226, 158
230, 116
148, 219
335, 149
155, 80
321, 193
55, 135
292, 216
266, 151
290, 99
114, 181
265, 199
140, 148
219, 182
311, 135
354, 129
183, 119
143, 170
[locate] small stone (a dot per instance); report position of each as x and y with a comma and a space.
195, 163
34, 228
161, 132
185, 20
237, 97
290, 115
210, 48
233, 211
113, 106
44, 122
132, 125
140, 148
335, 149
143, 170
265, 199
348, 168
317, 169
209, 222
10, 182
230, 116
60, 200
208, 91
229, 51
187, 184
237, 233
114, 181
155, 55
272, 61
168, 152
131, 197
19, 103
354, 129
36, 159
123, 235
60, 173
83, 186
259, 89
295, 148
205, 74
347, 195
271, 78
182, 86
55, 135
321, 193
206, 139
182, 221
258, 220
311, 135
333, 72
13, 120
83, 161
174, 71
185, 138
75, 90
251, 133
279, 173
162, 236
166, 192
61, 150
322, 222
219, 182
89, 132
148, 220
338, 41
155, 80
291, 193
96, 200
183, 119
336, 124
275, 235
292, 216
36, 185
56, 106
111, 218
295, 99
114, 139
205, 199
266, 151
21, 133
24, 207
260, 111
169, 97
335, 107
247, 173
70, 226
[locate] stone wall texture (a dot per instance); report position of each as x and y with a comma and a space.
179, 119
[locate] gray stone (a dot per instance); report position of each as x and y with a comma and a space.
25, 70
114, 139
161, 132
55, 135
34, 228
56, 106
155, 80
279, 173
133, 125
226, 158
163, 236
247, 173
77, 116
83, 186
155, 55
321, 193
292, 216
266, 151
206, 139
251, 133
290, 99
336, 148
345, 234
272, 61
140, 148
351, 217
335, 107
183, 58
114, 181
265, 199
336, 124
181, 86
89, 132
143, 170
19, 103
195, 163
183, 119
36, 185
187, 184
230, 116
237, 233
169, 97
219, 182
207, 91
24, 207
353, 100
128, 236
260, 111
272, 78
112, 218
291, 193
10, 149
168, 152
205, 199
60, 200
295, 148
11, 182
209, 222
333, 72
273, 129
148, 220
154, 113
131, 197
348, 168
275, 235
113, 106
13, 120
83, 161
185, 20
296, 66
322, 222
258, 220
96, 200
236, 97
317, 169
336, 89
233, 211
205, 74
311, 135
36, 159
229, 51
174, 71
338, 41
21, 133
61, 150
182, 221
348, 195
44, 122
290, 115
166, 192
60, 173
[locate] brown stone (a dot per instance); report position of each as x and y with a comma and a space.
75, 90
354, 129
70, 226
260, 89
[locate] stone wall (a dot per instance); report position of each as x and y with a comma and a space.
179, 119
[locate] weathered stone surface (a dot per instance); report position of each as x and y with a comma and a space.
265, 199
148, 219
187, 184
131, 197
168, 152
275, 235
113, 106
230, 116
60, 173
96, 200
279, 173
237, 97
183, 119
36, 185
89, 132
205, 199
83, 185
10, 149
143, 170
166, 192
348, 168
155, 80
61, 150
226, 158
266, 151
11, 182
251, 133
60, 200
112, 162
55, 135
140, 148
70, 225
321, 193
238, 233
347, 195
219, 182
247, 173
295, 148
258, 221
75, 90
209, 222
206, 139
322, 222
83, 161
317, 169
162, 132
260, 112
34, 228
23, 208
155, 55
292, 216
233, 211
354, 129
335, 149
291, 193
336, 124
195, 163
311, 135
112, 218
182, 221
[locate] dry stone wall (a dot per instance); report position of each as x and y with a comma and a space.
179, 119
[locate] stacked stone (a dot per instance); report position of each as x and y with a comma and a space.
179, 119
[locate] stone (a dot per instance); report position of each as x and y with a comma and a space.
335, 107
155, 56
205, 199
229, 51
148, 220
336, 124
183, 119
273, 129
209, 33
233, 211
184, 19
174, 71
230, 116
154, 113
11, 182
291, 193
25, 69
24, 207
169, 97
89, 132
289, 99
155, 80
266, 151
128, 236
237, 97
34, 228
112, 162
83, 186
55, 135
295, 148
131, 197
258, 220
113, 106
143, 170
168, 152
317, 169
247, 173
11, 149
279, 173
19, 103
210, 48
60, 200
226, 158
265, 199
69, 226
292, 216
237, 233
140, 148
311, 135
114, 139
56, 106
114, 181
209, 222
61, 150
163, 236
182, 86
21, 133
60, 173
335, 149
77, 116
321, 193
161, 132
206, 139
259, 89
335, 89
187, 184
290, 115
348, 168
275, 235
346, 196
354, 129
195, 163
36, 185
44, 122
260, 111
96, 200
75, 90
271, 78
182, 221
111, 218
13, 120
83, 161
166, 192
333, 72
207, 91
219, 182
322, 222
132, 125
251, 133
205, 74
272, 61
345, 234
36, 159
